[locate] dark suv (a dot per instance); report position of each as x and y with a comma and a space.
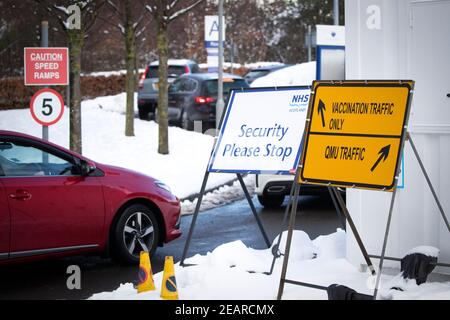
193, 97
148, 84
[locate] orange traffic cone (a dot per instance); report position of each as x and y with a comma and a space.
169, 283
146, 282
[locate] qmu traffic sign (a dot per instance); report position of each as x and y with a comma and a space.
47, 107
355, 133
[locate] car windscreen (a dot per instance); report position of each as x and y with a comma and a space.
183, 85
228, 84
172, 71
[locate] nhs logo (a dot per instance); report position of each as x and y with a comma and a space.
299, 100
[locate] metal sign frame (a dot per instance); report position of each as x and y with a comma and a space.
341, 207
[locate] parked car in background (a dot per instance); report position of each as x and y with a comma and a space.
193, 97
148, 84
256, 73
54, 202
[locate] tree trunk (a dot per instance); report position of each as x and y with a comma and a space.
130, 47
163, 141
75, 38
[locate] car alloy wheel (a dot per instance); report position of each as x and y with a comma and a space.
138, 233
136, 230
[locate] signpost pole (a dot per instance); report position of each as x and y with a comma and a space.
220, 103
309, 43
44, 43
336, 12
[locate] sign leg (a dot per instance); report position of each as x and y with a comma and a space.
194, 218
354, 230
252, 207
383, 250
422, 167
288, 241
338, 208
276, 249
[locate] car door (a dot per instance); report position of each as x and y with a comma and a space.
181, 94
52, 207
4, 222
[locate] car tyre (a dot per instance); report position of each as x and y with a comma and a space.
272, 201
143, 115
136, 230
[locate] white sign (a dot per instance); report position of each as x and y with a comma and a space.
330, 35
47, 107
262, 131
212, 28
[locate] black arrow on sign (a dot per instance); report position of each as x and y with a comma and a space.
321, 109
384, 152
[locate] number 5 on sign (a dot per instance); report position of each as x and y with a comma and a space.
47, 107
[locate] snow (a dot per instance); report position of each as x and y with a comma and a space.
104, 141
220, 196
302, 74
252, 65
223, 274
173, 62
109, 73
260, 64
425, 250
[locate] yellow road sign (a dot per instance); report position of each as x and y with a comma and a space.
360, 109
355, 133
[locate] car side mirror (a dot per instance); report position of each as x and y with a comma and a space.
86, 168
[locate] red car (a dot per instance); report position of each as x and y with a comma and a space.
54, 202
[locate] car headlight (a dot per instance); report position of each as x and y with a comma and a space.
162, 185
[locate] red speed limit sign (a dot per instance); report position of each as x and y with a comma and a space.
47, 107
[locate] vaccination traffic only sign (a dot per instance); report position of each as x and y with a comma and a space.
356, 132
261, 131
46, 66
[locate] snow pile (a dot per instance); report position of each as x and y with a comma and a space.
224, 274
104, 141
260, 64
298, 75
114, 103
221, 196
173, 62
425, 250
305, 249
109, 73
253, 65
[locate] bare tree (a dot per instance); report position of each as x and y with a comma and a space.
89, 10
165, 12
131, 25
